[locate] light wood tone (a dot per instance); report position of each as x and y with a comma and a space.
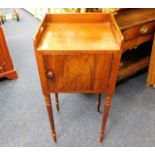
78, 37
78, 53
151, 72
6, 67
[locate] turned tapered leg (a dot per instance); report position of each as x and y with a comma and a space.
105, 116
98, 101
50, 114
57, 101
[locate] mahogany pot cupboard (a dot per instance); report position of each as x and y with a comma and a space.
7, 69
78, 53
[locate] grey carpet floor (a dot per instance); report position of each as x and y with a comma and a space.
23, 116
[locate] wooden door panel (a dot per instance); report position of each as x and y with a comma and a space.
78, 73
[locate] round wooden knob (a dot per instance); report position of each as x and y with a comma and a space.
50, 74
144, 29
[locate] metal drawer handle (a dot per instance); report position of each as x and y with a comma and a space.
50, 75
144, 29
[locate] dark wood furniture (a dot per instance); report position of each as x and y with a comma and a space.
78, 53
137, 27
6, 67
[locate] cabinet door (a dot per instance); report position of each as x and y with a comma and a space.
78, 73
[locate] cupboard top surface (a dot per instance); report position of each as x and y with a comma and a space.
79, 36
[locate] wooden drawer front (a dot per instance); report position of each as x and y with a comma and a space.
78, 73
138, 30
133, 43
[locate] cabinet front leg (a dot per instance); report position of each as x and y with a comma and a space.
98, 102
105, 116
50, 115
57, 102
